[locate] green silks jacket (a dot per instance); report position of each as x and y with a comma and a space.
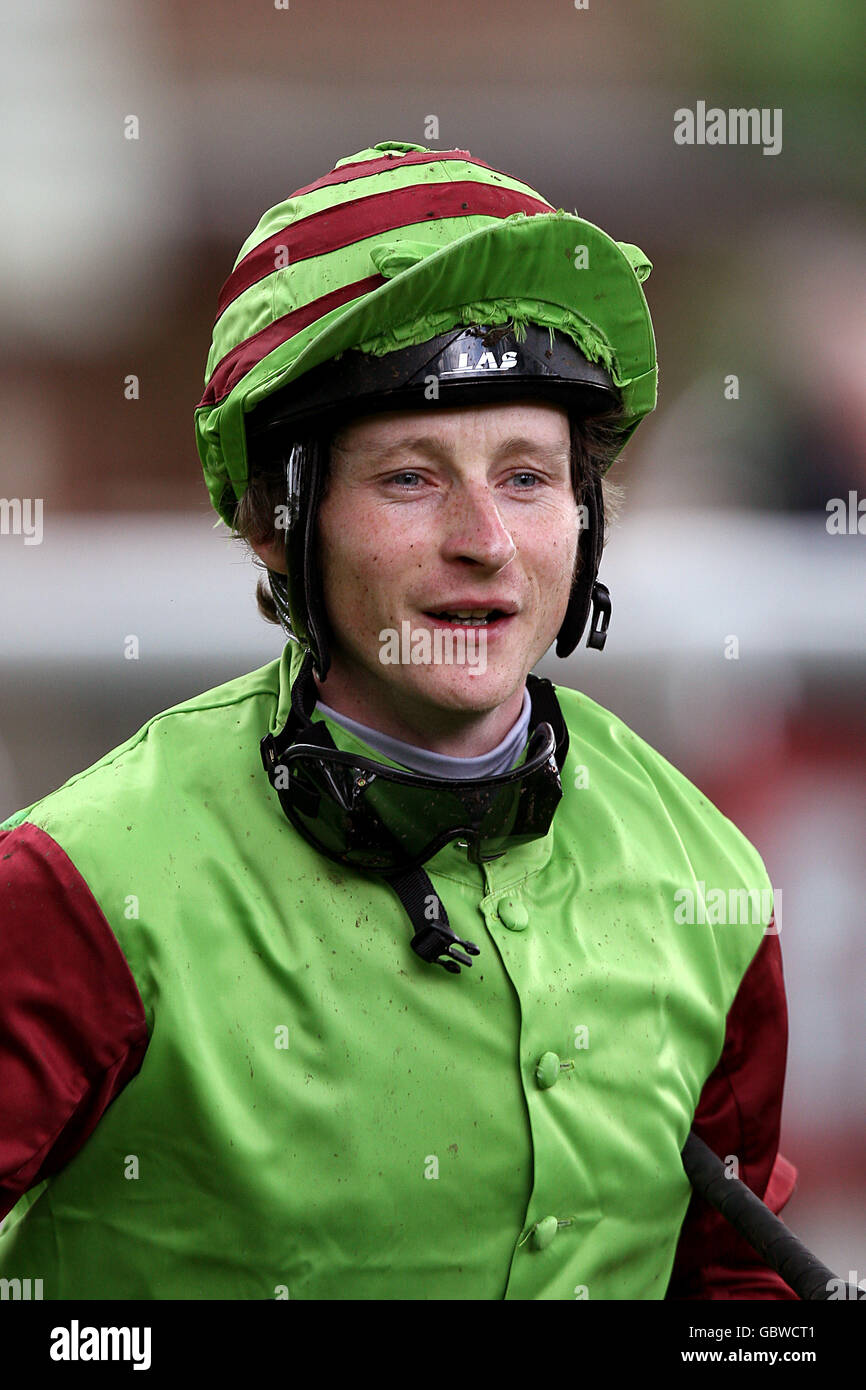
229, 1076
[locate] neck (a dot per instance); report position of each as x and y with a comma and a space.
453, 732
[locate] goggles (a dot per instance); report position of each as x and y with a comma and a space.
384, 819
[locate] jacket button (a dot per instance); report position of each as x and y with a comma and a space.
513, 915
543, 1232
547, 1071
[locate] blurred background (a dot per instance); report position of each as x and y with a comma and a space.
738, 638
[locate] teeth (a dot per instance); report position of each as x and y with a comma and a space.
473, 618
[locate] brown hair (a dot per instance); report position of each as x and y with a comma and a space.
595, 442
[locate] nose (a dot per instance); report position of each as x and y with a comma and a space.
474, 529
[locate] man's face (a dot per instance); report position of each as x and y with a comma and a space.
429, 512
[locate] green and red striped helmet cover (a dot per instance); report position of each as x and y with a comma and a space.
397, 244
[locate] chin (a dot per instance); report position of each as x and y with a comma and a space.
458, 688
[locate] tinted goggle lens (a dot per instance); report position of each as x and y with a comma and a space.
380, 818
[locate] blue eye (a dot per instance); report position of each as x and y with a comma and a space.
398, 479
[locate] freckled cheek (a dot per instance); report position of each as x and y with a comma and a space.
335, 559
551, 559
359, 571
562, 557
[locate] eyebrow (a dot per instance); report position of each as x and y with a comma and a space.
432, 445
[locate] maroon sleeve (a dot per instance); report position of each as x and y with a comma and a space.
72, 1024
739, 1115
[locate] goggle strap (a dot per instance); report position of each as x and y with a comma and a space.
434, 941
545, 710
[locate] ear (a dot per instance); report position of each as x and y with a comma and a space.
273, 553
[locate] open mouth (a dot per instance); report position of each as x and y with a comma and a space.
475, 618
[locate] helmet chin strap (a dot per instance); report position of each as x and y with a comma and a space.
280, 595
586, 591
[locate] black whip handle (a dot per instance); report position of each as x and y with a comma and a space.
752, 1219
